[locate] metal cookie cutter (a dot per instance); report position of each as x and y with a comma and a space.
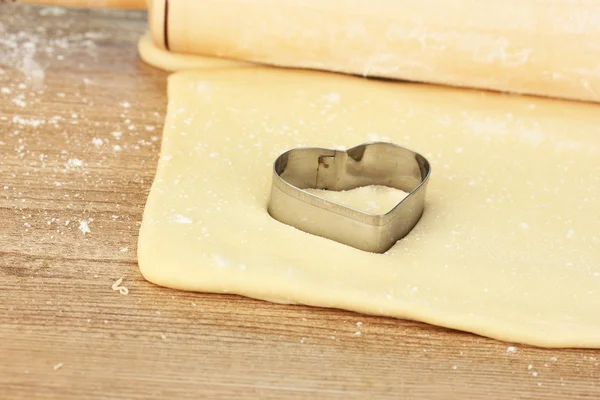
379, 163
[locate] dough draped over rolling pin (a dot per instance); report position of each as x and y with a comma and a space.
168, 61
548, 48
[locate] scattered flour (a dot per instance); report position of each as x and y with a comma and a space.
52, 11
181, 219
74, 163
333, 98
34, 122
84, 227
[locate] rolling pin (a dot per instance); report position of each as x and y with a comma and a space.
548, 48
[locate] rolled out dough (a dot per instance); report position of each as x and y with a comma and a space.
508, 246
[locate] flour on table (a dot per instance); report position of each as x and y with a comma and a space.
84, 227
74, 163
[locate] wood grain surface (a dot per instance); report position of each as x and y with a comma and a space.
80, 124
125, 4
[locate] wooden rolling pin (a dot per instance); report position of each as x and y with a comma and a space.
123, 4
549, 48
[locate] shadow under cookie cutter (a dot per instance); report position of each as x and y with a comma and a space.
378, 163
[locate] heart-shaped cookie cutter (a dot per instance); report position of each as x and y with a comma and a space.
378, 163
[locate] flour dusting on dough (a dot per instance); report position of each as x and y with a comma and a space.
371, 199
181, 219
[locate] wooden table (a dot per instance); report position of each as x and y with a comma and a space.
80, 124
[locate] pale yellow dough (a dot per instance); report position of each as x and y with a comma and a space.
177, 62
508, 246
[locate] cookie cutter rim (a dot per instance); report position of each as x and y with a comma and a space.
373, 163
